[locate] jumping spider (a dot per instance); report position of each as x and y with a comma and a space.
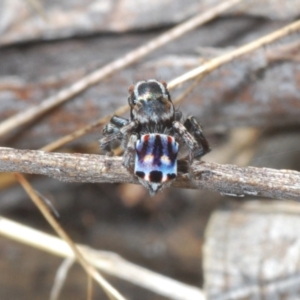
153, 136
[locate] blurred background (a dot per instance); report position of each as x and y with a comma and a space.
233, 248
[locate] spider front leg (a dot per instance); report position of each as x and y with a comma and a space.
111, 132
189, 140
119, 121
195, 129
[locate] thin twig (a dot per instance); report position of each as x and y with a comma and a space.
108, 262
96, 76
225, 179
111, 292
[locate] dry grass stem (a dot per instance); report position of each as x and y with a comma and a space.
111, 292
108, 262
96, 76
60, 278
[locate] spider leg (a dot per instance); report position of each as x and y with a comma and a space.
119, 121
126, 132
111, 132
129, 140
129, 154
195, 129
114, 125
188, 139
178, 115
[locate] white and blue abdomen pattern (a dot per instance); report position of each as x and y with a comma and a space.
156, 159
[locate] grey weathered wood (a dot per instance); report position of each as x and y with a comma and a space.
21, 22
226, 179
252, 251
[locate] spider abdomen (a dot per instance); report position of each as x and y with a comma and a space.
156, 160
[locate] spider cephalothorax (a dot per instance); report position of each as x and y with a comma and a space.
150, 103
153, 135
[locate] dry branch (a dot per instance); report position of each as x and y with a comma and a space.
225, 179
